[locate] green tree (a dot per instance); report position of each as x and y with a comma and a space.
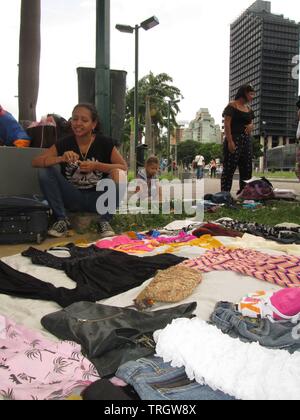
258, 149
189, 149
211, 151
160, 90
29, 58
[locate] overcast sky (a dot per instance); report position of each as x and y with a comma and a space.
191, 44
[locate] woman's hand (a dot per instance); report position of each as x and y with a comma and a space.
70, 157
248, 129
231, 147
87, 167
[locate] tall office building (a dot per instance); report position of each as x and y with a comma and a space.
265, 53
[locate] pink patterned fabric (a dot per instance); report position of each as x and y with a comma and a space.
125, 244
181, 238
283, 271
136, 246
33, 368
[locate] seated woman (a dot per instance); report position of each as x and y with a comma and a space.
11, 132
84, 159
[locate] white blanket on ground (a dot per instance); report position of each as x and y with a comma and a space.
216, 286
244, 371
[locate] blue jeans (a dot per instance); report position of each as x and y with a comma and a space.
200, 172
62, 196
155, 380
278, 335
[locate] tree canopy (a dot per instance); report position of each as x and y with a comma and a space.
161, 92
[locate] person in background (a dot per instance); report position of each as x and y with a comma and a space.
199, 163
11, 132
71, 170
149, 174
238, 153
213, 168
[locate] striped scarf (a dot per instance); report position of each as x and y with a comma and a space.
283, 270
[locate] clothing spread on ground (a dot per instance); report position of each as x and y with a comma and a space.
74, 253
107, 274
36, 368
142, 246
261, 244
172, 286
281, 234
283, 271
111, 336
33, 368
244, 371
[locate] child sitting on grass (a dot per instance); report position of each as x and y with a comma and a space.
149, 174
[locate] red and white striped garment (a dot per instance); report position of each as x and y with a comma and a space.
282, 270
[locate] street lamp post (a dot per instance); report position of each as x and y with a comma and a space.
169, 128
146, 25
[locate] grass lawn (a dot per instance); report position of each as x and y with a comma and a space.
278, 175
273, 213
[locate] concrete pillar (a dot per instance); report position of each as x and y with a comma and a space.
287, 141
281, 143
270, 142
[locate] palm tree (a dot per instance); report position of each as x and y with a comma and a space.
29, 58
159, 90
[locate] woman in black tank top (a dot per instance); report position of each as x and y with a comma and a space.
237, 145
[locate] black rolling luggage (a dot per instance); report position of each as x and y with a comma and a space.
22, 220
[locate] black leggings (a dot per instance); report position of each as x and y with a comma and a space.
241, 158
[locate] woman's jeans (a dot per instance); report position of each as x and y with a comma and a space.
155, 380
62, 196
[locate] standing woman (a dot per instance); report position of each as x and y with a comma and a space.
71, 169
238, 152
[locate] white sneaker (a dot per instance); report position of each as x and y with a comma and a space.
59, 229
105, 230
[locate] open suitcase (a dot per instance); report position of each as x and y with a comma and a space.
23, 220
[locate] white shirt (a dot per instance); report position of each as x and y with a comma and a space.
200, 160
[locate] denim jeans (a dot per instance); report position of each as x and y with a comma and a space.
200, 172
62, 196
155, 380
278, 335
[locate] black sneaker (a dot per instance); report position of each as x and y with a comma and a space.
59, 229
105, 230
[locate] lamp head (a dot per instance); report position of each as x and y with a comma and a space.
125, 28
150, 23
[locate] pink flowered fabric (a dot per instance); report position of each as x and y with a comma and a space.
34, 368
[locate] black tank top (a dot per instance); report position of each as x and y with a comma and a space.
239, 121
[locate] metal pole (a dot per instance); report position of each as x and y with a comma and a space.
169, 132
102, 82
136, 96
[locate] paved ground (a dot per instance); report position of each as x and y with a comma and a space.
7, 250
211, 186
